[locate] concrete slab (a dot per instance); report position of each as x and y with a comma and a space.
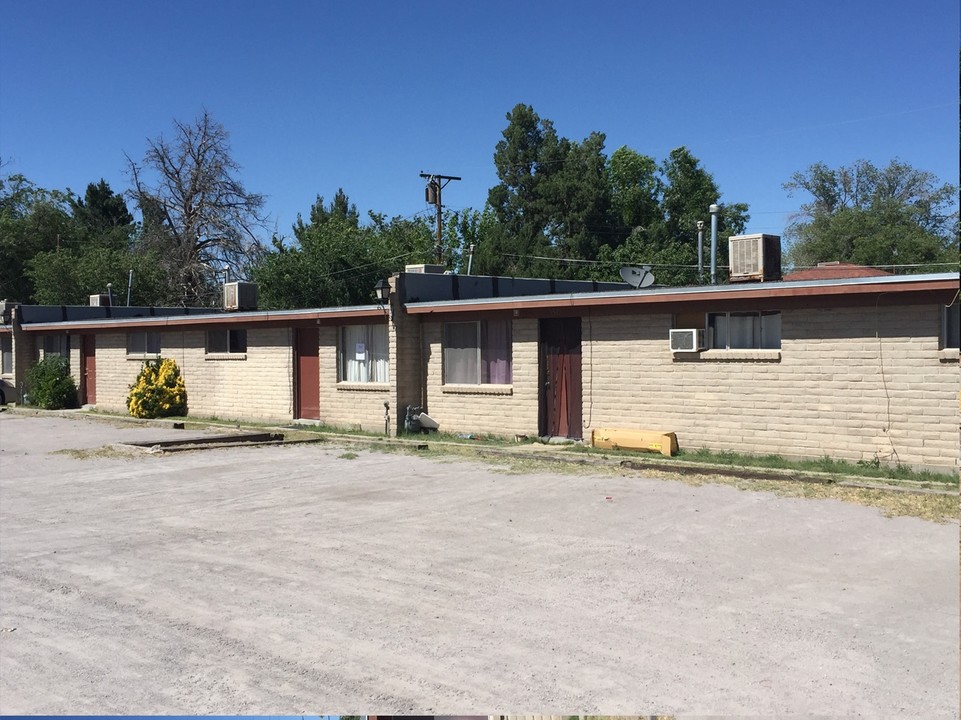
307, 579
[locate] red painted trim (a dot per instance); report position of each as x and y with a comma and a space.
837, 295
167, 323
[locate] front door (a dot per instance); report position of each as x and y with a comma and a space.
560, 374
88, 369
307, 384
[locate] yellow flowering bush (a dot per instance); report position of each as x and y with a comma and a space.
159, 390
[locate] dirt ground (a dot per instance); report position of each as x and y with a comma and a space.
313, 579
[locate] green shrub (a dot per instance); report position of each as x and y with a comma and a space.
50, 384
159, 390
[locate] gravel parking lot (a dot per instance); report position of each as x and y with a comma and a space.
309, 579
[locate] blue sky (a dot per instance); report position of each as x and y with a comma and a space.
365, 95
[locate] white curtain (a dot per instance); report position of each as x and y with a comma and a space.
771, 331
747, 331
355, 353
461, 353
365, 354
497, 352
377, 353
742, 329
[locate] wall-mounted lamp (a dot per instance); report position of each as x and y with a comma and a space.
382, 293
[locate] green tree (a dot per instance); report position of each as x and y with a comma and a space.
635, 190
334, 260
561, 205
102, 216
529, 154
32, 220
662, 209
59, 248
577, 197
863, 214
69, 277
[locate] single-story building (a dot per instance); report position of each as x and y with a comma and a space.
857, 368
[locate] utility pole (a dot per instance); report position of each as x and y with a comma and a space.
435, 183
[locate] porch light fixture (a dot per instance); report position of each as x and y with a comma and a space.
382, 293
382, 290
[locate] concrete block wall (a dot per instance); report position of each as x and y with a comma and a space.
496, 409
257, 385
25, 354
836, 389
349, 405
408, 371
74, 359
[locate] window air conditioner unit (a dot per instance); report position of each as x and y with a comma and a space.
240, 296
754, 257
687, 340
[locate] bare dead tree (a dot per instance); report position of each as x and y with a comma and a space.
197, 214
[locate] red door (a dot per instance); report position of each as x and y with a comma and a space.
88, 369
560, 373
307, 394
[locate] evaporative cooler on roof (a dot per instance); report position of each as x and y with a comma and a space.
755, 258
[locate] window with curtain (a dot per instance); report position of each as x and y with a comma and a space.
477, 352
745, 330
143, 343
364, 357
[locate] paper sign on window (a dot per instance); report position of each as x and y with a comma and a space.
360, 351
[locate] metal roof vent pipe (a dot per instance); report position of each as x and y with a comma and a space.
700, 252
714, 210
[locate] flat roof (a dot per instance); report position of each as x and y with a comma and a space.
250, 318
838, 291
832, 289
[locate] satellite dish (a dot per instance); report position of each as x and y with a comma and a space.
638, 277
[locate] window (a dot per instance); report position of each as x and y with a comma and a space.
143, 343
744, 330
952, 326
477, 353
56, 345
6, 350
363, 354
224, 342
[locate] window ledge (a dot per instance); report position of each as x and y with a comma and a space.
225, 356
363, 387
948, 355
144, 356
773, 356
477, 389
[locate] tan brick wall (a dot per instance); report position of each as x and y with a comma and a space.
25, 354
837, 390
349, 405
501, 410
258, 387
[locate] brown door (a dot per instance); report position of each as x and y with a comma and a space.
88, 369
560, 373
307, 393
